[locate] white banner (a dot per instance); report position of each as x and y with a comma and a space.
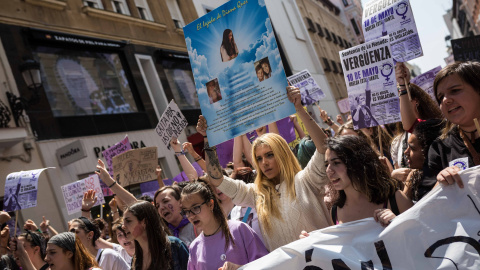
73, 193
440, 232
369, 74
395, 19
171, 124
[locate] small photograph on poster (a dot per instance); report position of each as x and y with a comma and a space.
228, 49
263, 69
213, 91
361, 110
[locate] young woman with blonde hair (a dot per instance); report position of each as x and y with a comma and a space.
286, 198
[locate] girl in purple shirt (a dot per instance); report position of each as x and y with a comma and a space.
222, 243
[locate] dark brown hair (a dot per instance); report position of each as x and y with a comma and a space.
367, 173
158, 243
206, 193
469, 72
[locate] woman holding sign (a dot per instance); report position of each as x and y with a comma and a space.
286, 198
457, 90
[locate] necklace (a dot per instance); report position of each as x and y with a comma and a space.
207, 235
472, 134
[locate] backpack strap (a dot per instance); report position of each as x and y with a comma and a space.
245, 218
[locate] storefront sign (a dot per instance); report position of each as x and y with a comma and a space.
70, 153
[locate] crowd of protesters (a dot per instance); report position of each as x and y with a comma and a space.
271, 194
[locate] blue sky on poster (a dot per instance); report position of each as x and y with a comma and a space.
432, 31
255, 40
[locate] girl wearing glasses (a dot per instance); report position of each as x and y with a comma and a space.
153, 248
222, 244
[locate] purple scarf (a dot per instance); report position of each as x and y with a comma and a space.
176, 230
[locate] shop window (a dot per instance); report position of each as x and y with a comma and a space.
180, 80
93, 3
82, 83
144, 10
121, 7
175, 13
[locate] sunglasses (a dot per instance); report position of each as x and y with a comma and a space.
195, 210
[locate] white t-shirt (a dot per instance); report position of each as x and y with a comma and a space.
110, 259
123, 253
187, 234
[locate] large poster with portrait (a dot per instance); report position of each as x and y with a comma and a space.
239, 76
372, 88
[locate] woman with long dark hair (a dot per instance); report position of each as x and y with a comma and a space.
153, 248
363, 181
228, 50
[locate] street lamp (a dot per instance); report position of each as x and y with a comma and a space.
31, 75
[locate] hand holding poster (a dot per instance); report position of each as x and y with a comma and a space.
309, 89
171, 123
372, 89
425, 81
118, 148
73, 193
439, 232
21, 190
135, 166
395, 19
239, 77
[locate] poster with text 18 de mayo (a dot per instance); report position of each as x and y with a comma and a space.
239, 76
393, 18
372, 88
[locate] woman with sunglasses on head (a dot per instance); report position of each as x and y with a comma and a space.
457, 89
287, 199
89, 233
222, 243
153, 248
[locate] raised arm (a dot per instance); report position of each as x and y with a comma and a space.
327, 120
214, 169
114, 207
88, 201
158, 172
238, 152
122, 193
316, 133
407, 109
186, 165
297, 126
188, 147
247, 149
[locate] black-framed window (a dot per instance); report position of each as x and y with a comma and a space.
320, 30
340, 68
327, 33
82, 82
334, 38
310, 25
334, 65
355, 27
345, 2
326, 64
340, 42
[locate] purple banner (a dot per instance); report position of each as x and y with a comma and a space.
118, 148
285, 127
225, 152
198, 169
425, 81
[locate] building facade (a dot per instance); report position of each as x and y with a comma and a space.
352, 12
327, 32
107, 68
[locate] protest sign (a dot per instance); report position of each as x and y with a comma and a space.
118, 148
309, 89
395, 19
343, 105
171, 124
425, 81
225, 152
372, 88
73, 193
466, 49
239, 76
149, 188
21, 190
439, 232
135, 166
